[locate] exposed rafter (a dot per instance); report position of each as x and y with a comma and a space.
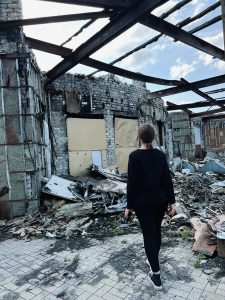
223, 15
180, 25
215, 91
55, 19
206, 113
204, 95
98, 3
181, 35
152, 40
200, 15
189, 112
188, 87
206, 24
86, 25
62, 51
172, 106
117, 26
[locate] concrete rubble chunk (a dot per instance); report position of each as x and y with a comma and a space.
201, 237
221, 240
75, 210
214, 166
187, 165
180, 219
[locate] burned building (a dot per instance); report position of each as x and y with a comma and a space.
196, 137
96, 121
60, 123
65, 127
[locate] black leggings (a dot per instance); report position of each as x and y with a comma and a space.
150, 222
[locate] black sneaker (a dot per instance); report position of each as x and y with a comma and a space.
155, 281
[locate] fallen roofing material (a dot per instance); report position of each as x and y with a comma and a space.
63, 188
109, 174
214, 166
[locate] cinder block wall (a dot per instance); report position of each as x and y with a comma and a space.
183, 135
110, 98
22, 145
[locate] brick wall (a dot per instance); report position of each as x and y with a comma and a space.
110, 98
22, 146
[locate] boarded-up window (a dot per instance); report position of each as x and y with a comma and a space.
84, 137
126, 131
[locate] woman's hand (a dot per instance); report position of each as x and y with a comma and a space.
171, 210
127, 212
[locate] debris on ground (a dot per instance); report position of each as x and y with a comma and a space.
200, 200
70, 205
94, 205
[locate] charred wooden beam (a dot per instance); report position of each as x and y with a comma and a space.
181, 35
206, 113
152, 40
213, 117
188, 87
128, 74
117, 26
56, 19
180, 24
223, 16
98, 3
189, 112
48, 47
204, 95
200, 15
206, 24
172, 106
62, 51
215, 91
86, 25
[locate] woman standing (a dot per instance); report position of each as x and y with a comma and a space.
150, 194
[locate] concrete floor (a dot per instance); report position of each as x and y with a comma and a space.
113, 268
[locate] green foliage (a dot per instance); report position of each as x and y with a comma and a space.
184, 234
199, 257
76, 258
124, 241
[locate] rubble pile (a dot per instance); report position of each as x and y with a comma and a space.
201, 204
95, 204
74, 206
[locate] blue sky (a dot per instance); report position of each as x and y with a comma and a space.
164, 58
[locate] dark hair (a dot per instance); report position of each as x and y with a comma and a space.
146, 133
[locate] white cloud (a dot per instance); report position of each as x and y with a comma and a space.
143, 58
208, 60
220, 65
182, 69
199, 5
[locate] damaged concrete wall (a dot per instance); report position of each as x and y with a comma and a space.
22, 111
195, 137
183, 138
106, 97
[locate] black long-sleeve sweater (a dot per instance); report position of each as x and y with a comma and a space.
149, 180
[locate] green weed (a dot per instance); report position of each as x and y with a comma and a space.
199, 258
